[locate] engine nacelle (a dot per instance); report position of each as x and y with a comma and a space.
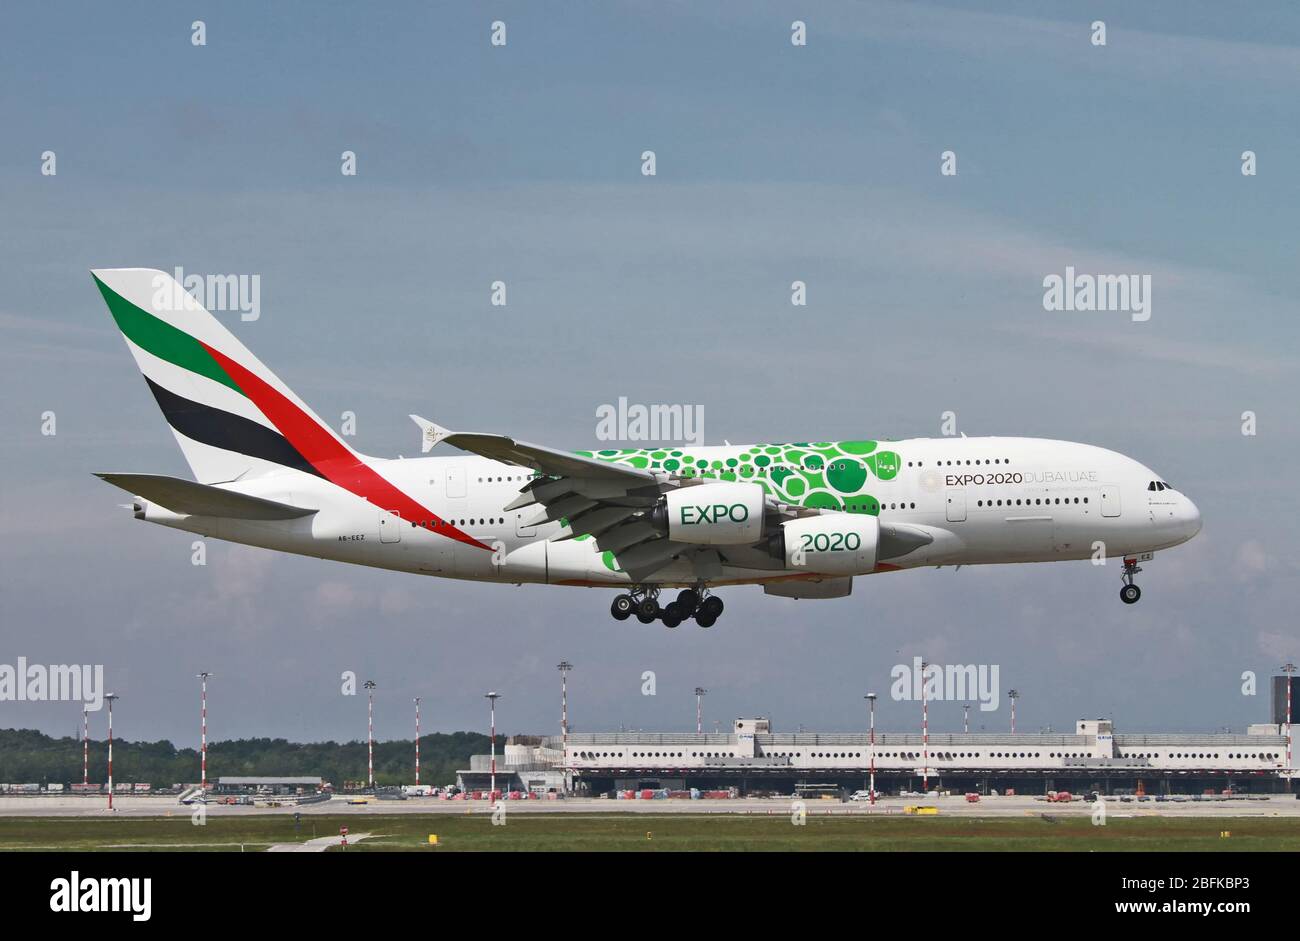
830, 544
721, 514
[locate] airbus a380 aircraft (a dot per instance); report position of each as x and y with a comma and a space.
800, 519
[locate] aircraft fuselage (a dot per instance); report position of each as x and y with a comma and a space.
982, 500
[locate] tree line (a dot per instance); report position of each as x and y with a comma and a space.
28, 756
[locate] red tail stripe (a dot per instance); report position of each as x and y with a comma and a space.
336, 463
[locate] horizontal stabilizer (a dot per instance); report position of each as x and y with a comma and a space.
191, 499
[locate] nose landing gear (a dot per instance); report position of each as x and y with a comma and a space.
643, 601
1130, 593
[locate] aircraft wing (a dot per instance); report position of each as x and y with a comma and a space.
607, 501
610, 502
542, 459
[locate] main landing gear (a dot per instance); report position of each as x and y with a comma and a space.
1130, 593
643, 601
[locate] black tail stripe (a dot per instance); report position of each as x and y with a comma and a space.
227, 431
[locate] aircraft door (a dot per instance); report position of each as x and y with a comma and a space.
956, 500
456, 482
1110, 501
390, 527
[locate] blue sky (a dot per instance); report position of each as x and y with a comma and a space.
775, 163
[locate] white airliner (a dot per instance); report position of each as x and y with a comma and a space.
799, 519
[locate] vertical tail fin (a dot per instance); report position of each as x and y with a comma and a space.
231, 415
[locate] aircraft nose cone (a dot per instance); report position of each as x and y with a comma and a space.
1191, 519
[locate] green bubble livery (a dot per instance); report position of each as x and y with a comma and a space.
835, 475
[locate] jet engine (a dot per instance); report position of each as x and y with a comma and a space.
719, 514
829, 544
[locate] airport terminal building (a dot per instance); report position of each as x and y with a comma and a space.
754, 760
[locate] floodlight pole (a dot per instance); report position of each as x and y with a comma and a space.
370, 736
564, 666
492, 698
110, 697
700, 692
925, 733
417, 741
1287, 670
871, 698
85, 747
203, 730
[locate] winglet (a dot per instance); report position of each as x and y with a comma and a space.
432, 433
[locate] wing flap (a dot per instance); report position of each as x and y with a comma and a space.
568, 506
625, 535
596, 521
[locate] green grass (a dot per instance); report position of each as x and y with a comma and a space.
643, 833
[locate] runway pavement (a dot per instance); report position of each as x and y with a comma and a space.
1284, 805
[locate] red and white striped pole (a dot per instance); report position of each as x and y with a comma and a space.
203, 731
871, 697
370, 733
1013, 696
85, 748
110, 697
417, 741
564, 667
1287, 671
965, 724
925, 732
492, 785
699, 709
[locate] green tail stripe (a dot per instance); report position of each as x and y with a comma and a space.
162, 339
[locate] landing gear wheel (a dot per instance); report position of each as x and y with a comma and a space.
672, 615
621, 607
711, 608
688, 599
647, 610
704, 620
1130, 593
